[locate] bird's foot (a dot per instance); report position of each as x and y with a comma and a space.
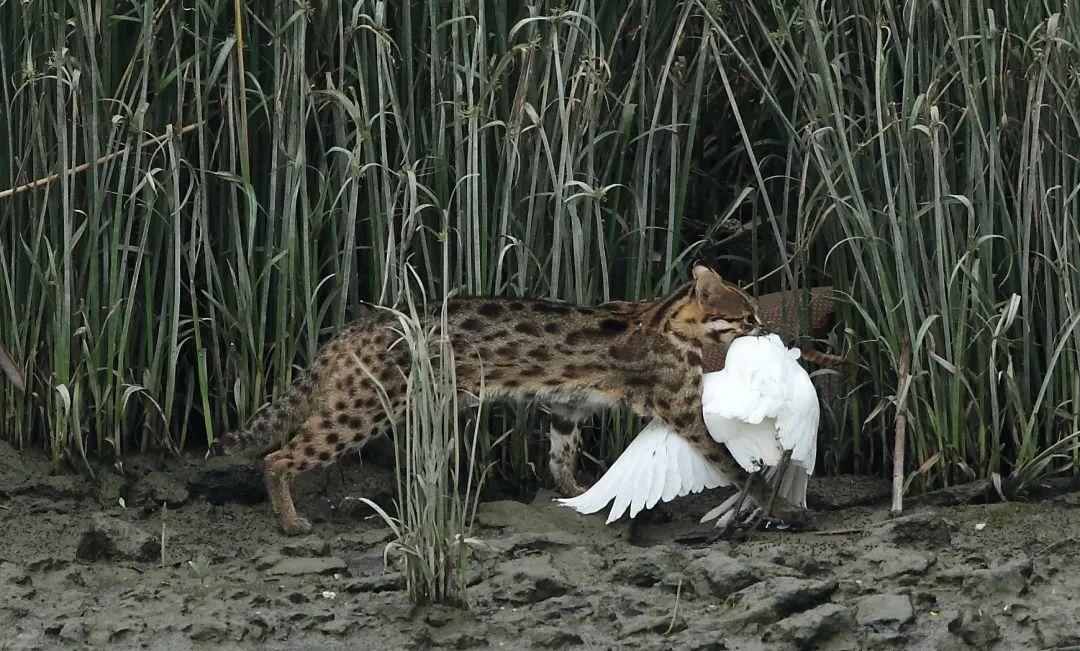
790, 517
738, 521
784, 517
740, 529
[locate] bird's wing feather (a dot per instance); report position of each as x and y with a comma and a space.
706, 472
793, 486
673, 475
617, 479
642, 475
647, 471
752, 444
661, 464
629, 490
721, 509
797, 422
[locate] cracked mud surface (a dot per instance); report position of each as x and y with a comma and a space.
78, 570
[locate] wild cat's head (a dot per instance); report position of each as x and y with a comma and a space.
709, 310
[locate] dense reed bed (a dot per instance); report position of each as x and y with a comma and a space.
259, 169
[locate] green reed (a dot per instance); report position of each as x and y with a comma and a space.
940, 187
263, 172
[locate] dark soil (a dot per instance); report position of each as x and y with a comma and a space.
100, 564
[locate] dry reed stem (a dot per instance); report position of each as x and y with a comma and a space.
82, 167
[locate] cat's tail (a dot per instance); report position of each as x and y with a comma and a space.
274, 422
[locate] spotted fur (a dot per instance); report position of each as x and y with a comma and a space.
573, 360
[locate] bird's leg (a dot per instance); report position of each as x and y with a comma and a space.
790, 514
762, 512
736, 510
698, 435
778, 481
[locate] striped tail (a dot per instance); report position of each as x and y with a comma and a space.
272, 425
822, 359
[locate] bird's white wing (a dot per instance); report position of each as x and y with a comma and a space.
752, 384
646, 477
673, 482
797, 420
752, 444
658, 465
762, 403
726, 395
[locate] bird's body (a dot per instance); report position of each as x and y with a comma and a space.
762, 406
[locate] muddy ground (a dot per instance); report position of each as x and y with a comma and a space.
80, 569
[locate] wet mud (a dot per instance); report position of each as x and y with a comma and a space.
96, 563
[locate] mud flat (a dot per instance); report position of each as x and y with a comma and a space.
78, 569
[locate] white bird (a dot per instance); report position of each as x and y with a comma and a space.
762, 406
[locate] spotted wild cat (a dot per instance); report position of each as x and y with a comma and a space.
572, 360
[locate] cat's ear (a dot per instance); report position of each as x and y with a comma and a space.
714, 295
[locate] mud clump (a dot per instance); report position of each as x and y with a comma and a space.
64, 487
920, 530
846, 491
16, 475
884, 610
221, 480
976, 492
530, 580
896, 562
302, 566
645, 568
556, 638
975, 627
15, 583
719, 575
776, 599
808, 627
1009, 579
156, 489
110, 538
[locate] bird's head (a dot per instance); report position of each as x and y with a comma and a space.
715, 311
